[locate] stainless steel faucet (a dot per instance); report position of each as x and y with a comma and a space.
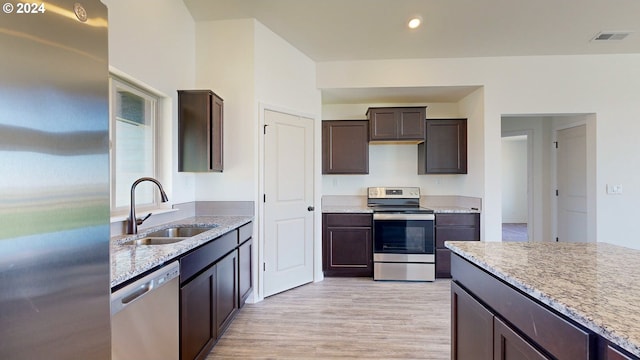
133, 222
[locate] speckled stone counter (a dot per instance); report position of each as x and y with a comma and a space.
596, 285
347, 209
366, 210
129, 261
453, 210
439, 204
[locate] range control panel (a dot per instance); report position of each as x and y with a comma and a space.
394, 193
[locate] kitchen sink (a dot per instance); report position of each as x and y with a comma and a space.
169, 236
179, 232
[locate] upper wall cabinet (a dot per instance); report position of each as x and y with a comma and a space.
200, 118
445, 150
397, 123
345, 147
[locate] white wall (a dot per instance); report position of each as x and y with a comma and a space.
158, 49
248, 66
606, 85
253, 69
225, 61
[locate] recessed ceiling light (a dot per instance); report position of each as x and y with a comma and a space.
414, 22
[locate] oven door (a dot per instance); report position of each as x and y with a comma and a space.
397, 233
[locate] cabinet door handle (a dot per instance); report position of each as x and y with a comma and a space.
310, 208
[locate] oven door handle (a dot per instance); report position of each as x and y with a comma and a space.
379, 216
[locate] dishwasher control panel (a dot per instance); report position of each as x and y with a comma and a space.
170, 274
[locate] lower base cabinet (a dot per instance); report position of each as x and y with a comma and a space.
213, 279
207, 306
226, 303
197, 316
245, 283
453, 227
492, 320
347, 244
508, 345
472, 327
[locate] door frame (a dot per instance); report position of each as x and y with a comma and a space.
589, 121
530, 189
258, 252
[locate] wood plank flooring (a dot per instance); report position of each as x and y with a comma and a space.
344, 318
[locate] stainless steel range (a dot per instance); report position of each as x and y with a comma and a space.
403, 235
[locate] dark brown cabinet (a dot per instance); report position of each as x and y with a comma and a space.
612, 353
471, 326
521, 327
200, 131
208, 303
445, 148
397, 123
226, 302
347, 248
213, 279
508, 345
245, 249
345, 147
197, 316
453, 227
479, 335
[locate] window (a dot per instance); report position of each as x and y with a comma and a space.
133, 144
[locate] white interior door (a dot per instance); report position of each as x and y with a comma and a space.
288, 174
572, 184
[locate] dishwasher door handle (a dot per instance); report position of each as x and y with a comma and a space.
140, 288
125, 300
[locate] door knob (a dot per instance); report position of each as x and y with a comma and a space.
310, 208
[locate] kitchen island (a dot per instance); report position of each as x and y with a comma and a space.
545, 300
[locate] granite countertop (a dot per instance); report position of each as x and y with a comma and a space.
347, 209
596, 285
453, 210
129, 261
367, 210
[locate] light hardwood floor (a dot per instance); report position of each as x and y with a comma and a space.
344, 318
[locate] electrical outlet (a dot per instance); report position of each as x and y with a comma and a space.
614, 189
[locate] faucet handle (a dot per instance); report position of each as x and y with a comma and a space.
139, 221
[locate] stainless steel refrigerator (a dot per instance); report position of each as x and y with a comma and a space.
54, 181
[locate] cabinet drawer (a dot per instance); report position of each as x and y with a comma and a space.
508, 345
443, 263
549, 330
198, 260
455, 234
458, 220
615, 354
348, 220
245, 232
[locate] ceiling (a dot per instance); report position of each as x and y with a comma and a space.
335, 30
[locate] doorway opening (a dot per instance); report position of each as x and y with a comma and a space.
515, 185
547, 214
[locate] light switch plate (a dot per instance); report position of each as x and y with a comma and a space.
614, 189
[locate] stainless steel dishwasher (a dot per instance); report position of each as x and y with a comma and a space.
144, 317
